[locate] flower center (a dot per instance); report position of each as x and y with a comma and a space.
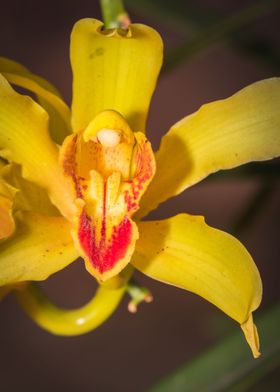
110, 168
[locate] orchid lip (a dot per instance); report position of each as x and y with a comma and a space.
110, 168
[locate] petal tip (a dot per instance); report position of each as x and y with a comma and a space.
251, 334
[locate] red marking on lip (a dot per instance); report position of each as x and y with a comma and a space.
145, 169
104, 254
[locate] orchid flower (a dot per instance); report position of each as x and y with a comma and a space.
77, 184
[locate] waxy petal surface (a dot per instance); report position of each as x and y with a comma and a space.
185, 252
220, 135
113, 71
24, 139
41, 246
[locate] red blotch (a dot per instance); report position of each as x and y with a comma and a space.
104, 254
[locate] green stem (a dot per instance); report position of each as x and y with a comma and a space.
114, 14
67, 322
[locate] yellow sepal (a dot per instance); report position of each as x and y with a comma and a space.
112, 70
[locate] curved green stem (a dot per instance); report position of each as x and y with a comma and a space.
114, 14
66, 322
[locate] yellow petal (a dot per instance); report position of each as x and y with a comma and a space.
40, 246
113, 71
24, 139
185, 252
48, 96
220, 135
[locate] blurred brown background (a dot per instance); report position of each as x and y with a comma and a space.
131, 352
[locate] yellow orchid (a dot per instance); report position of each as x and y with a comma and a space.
71, 183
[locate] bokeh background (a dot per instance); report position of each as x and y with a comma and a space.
132, 352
